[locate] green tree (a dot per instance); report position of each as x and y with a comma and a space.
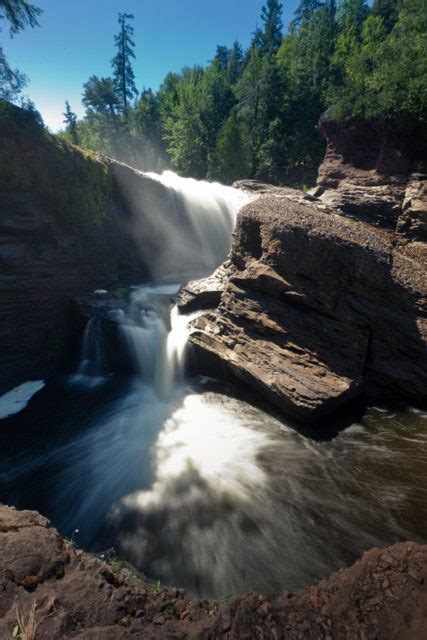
248, 93
70, 121
388, 10
235, 63
19, 14
11, 80
385, 74
100, 96
231, 154
124, 77
271, 16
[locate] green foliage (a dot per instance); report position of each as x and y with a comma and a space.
19, 14
231, 159
383, 72
255, 113
271, 16
75, 182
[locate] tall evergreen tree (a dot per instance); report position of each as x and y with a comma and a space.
271, 16
304, 11
222, 56
70, 121
235, 63
388, 10
124, 77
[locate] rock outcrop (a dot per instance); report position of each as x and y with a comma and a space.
63, 232
376, 171
316, 310
71, 222
60, 592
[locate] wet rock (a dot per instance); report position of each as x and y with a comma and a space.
203, 294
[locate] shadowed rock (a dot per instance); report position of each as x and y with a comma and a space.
75, 595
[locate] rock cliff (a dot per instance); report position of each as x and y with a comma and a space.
70, 222
49, 589
324, 297
376, 171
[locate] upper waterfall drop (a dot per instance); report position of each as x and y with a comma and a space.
182, 226
208, 211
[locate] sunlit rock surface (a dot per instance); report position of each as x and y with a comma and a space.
316, 310
74, 595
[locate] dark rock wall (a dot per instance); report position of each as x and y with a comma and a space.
64, 231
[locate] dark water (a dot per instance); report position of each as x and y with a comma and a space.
208, 492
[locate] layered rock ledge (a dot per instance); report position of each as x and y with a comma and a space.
70, 594
315, 310
376, 171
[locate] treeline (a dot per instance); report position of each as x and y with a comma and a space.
254, 113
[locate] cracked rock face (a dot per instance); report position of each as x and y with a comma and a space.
375, 171
75, 595
316, 309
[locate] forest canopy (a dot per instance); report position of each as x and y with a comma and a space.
254, 113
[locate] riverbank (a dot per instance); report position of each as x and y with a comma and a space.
63, 592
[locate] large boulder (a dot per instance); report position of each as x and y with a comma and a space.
50, 589
317, 309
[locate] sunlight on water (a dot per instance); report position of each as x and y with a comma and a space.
207, 441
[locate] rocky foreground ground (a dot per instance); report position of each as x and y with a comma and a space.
50, 590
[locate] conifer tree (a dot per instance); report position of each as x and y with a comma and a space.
271, 15
19, 14
70, 121
123, 75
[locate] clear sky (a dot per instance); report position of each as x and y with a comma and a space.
75, 40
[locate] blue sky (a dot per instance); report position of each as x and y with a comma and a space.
75, 40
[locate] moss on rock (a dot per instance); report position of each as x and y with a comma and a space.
76, 183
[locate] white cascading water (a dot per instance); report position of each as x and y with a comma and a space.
91, 370
194, 235
184, 226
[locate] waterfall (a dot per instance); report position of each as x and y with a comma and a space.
184, 229
182, 226
92, 367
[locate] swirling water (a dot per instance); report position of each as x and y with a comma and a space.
196, 485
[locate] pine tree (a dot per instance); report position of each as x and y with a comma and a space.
70, 121
235, 63
20, 14
99, 96
222, 55
388, 10
231, 156
305, 10
124, 77
271, 15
